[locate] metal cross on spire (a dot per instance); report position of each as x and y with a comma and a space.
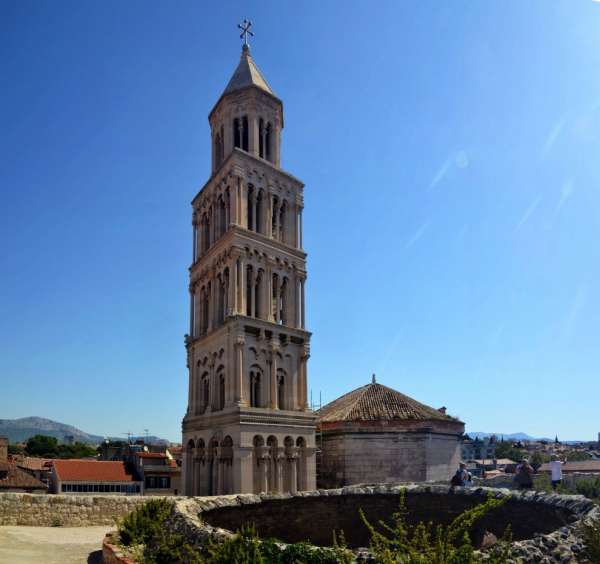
245, 27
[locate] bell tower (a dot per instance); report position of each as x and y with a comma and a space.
248, 428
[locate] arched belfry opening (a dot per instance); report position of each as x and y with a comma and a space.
247, 427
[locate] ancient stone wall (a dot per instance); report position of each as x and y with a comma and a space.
43, 510
545, 526
379, 457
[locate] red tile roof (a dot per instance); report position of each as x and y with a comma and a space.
576, 466
152, 455
92, 471
12, 477
31, 463
375, 402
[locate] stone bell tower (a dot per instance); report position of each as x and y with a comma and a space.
248, 428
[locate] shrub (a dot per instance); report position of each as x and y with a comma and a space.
145, 522
590, 533
246, 548
426, 543
589, 488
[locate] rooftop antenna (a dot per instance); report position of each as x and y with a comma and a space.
128, 433
146, 436
373, 379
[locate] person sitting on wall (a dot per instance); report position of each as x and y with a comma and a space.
461, 476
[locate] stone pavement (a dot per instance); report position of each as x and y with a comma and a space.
51, 545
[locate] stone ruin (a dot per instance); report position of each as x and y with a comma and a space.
544, 526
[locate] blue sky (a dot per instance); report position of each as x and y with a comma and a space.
452, 205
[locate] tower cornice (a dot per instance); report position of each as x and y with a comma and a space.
234, 166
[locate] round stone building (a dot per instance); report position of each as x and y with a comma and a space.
376, 434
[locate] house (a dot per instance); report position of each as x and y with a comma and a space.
12, 478
39, 468
582, 466
94, 476
159, 473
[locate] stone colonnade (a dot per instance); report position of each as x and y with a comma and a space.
219, 468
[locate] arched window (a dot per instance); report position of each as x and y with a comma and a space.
268, 143
275, 219
205, 391
221, 392
258, 220
257, 293
283, 302
261, 138
281, 391
245, 133
237, 134
205, 233
221, 304
250, 208
282, 221
222, 217
255, 388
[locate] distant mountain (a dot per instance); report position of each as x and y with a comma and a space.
19, 430
507, 436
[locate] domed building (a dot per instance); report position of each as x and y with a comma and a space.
376, 434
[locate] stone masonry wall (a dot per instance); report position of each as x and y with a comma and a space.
43, 510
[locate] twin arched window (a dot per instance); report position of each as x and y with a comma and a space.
255, 388
240, 132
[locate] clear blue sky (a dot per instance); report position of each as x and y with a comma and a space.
451, 155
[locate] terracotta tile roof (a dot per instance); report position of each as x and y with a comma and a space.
375, 402
152, 455
12, 477
92, 471
31, 463
576, 466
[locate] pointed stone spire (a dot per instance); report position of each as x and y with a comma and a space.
247, 74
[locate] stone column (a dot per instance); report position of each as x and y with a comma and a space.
273, 378
211, 385
192, 310
243, 470
276, 295
310, 468
243, 217
253, 134
302, 377
279, 462
227, 135
293, 462
302, 317
269, 214
300, 227
275, 225
251, 296
239, 371
242, 287
264, 458
276, 145
264, 140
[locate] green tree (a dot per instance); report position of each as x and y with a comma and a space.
538, 459
508, 450
42, 445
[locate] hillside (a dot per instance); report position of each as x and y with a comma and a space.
19, 430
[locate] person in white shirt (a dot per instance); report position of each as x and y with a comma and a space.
555, 471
